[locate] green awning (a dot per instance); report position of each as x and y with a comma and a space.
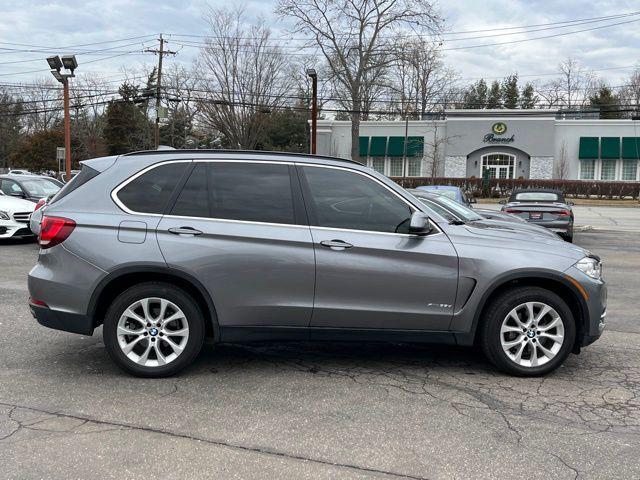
631, 148
415, 147
396, 146
364, 146
378, 146
610, 147
589, 148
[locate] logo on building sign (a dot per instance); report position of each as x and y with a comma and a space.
497, 130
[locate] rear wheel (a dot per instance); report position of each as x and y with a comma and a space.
528, 331
153, 330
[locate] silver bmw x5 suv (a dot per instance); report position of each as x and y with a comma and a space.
165, 248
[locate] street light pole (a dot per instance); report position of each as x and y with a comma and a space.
314, 109
67, 130
56, 64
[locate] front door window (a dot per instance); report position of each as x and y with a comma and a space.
500, 165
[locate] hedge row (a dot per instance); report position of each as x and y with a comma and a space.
504, 187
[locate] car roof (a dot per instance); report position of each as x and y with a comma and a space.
537, 190
269, 155
440, 187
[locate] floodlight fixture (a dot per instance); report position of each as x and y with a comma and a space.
54, 62
58, 76
312, 72
70, 62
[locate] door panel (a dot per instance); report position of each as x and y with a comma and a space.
369, 272
256, 274
384, 281
236, 227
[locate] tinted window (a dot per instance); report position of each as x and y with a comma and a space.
150, 192
9, 186
193, 199
536, 197
238, 191
40, 187
86, 174
342, 199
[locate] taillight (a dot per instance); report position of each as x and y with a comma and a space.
55, 230
563, 213
40, 203
509, 210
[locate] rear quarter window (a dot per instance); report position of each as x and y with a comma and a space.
151, 191
86, 174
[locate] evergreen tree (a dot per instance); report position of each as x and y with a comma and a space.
495, 96
605, 101
127, 126
476, 95
509, 92
528, 98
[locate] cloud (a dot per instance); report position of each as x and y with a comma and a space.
74, 22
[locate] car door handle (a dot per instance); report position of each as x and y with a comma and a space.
184, 231
336, 244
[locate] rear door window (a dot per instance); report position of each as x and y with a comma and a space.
151, 191
255, 192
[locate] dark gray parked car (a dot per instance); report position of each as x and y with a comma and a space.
166, 248
547, 208
454, 212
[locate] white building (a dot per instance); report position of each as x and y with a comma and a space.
509, 143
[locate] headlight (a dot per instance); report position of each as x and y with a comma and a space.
591, 267
4, 215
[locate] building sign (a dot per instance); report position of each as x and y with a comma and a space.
497, 130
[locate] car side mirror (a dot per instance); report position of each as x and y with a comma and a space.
420, 224
502, 202
570, 203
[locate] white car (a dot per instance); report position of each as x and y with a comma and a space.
14, 217
19, 172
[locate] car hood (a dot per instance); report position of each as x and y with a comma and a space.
530, 228
13, 204
512, 236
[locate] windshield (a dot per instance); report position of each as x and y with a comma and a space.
445, 193
40, 187
458, 210
537, 197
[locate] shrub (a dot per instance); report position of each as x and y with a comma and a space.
504, 187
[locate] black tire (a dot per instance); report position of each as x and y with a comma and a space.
568, 238
180, 298
497, 311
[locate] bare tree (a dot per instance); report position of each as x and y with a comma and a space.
43, 102
572, 88
630, 93
357, 40
562, 164
434, 150
245, 77
89, 97
179, 97
419, 78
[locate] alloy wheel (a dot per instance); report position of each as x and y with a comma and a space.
152, 332
532, 334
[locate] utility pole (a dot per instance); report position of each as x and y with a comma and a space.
161, 53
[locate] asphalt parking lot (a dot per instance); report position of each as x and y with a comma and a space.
319, 410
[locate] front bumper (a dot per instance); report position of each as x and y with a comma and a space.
10, 229
594, 318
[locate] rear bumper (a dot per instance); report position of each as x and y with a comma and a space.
563, 227
58, 320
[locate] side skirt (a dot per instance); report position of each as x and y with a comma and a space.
322, 334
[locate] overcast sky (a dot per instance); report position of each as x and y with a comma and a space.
74, 22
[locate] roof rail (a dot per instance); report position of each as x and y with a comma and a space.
252, 152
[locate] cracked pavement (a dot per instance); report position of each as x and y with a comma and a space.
319, 410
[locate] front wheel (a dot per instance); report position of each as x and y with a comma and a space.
528, 331
153, 330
